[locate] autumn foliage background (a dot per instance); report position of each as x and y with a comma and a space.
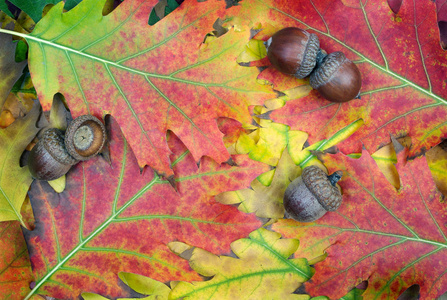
204, 136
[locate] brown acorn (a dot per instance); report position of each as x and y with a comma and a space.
55, 153
293, 51
337, 78
311, 195
49, 159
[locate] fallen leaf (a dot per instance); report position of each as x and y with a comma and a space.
33, 8
143, 77
15, 267
14, 179
393, 239
111, 218
403, 69
266, 192
437, 162
265, 201
10, 71
262, 270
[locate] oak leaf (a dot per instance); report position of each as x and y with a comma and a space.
111, 218
14, 179
15, 267
10, 71
266, 192
393, 239
262, 270
402, 67
151, 79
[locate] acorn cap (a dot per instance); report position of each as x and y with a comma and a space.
85, 137
53, 142
318, 183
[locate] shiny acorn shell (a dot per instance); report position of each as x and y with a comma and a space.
337, 78
49, 160
85, 137
311, 195
293, 51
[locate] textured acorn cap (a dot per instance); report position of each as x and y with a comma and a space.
53, 141
317, 182
48, 159
85, 137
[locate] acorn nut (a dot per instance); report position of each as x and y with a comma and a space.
337, 78
311, 195
49, 159
293, 51
54, 153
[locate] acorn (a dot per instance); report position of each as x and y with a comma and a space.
311, 195
49, 159
293, 51
55, 153
336, 78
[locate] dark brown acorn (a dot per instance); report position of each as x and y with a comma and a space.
293, 51
311, 195
85, 137
49, 159
54, 153
337, 78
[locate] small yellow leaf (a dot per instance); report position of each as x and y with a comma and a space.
262, 271
58, 184
145, 285
92, 296
254, 50
265, 201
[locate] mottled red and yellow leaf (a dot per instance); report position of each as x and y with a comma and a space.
262, 270
151, 79
393, 239
111, 218
15, 267
402, 66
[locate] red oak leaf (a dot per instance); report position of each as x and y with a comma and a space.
403, 69
150, 78
393, 239
111, 218
15, 267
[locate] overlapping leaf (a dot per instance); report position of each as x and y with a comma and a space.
10, 71
111, 219
402, 65
437, 161
265, 201
263, 270
15, 268
265, 195
252, 282
393, 239
33, 8
150, 78
14, 179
